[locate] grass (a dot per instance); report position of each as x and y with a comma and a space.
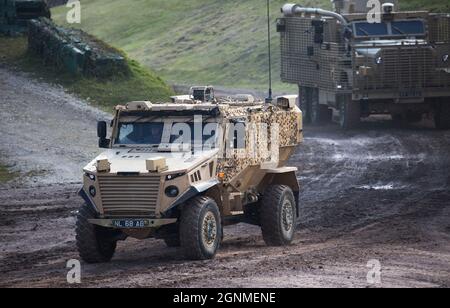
198, 41
5, 175
141, 84
442, 6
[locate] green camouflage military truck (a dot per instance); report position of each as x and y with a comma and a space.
359, 60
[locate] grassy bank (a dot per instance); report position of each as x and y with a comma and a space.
141, 84
5, 175
198, 41
442, 6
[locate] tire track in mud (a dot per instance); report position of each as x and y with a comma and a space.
343, 225
380, 192
400, 163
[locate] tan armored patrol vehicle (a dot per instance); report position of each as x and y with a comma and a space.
180, 171
367, 57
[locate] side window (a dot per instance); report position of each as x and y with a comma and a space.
237, 135
208, 95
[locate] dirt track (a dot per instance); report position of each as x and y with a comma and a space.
381, 192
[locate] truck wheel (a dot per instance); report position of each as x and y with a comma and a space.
200, 228
442, 116
319, 113
397, 118
305, 104
413, 117
278, 215
350, 114
172, 240
94, 243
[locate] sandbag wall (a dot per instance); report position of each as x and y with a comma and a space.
74, 50
15, 14
7, 16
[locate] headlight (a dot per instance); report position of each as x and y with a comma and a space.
92, 191
172, 191
445, 58
379, 60
174, 176
90, 176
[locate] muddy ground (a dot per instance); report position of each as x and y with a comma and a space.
381, 192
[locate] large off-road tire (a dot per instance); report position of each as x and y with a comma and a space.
200, 228
95, 244
172, 240
413, 117
397, 118
320, 114
349, 114
305, 103
278, 215
313, 112
442, 116
170, 234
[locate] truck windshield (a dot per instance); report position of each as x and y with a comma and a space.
408, 27
368, 29
394, 28
155, 133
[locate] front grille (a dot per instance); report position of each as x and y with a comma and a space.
129, 196
406, 68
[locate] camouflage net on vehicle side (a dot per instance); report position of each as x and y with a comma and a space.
74, 50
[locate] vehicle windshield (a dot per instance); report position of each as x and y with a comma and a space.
368, 29
407, 27
140, 133
156, 133
394, 28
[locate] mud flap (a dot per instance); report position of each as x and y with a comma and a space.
297, 202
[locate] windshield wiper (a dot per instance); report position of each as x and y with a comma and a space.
143, 117
364, 31
398, 30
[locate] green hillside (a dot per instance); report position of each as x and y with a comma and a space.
140, 84
431, 5
197, 41
5, 175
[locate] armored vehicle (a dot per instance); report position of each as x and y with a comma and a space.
361, 59
180, 171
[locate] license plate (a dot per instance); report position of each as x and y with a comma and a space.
410, 93
130, 223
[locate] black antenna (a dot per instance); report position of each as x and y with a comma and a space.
269, 99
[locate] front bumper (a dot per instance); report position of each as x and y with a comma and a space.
401, 95
148, 222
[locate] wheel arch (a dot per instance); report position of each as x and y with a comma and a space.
208, 188
283, 176
215, 193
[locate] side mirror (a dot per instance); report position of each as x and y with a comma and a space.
101, 129
101, 134
103, 143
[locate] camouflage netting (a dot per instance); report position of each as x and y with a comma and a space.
74, 50
15, 14
287, 133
